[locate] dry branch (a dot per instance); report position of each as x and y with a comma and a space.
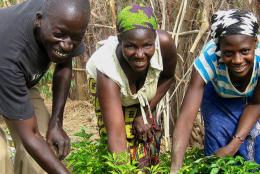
152, 5
186, 33
78, 69
176, 88
102, 26
177, 21
183, 12
94, 15
204, 26
163, 14
113, 10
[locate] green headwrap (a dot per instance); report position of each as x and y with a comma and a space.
136, 16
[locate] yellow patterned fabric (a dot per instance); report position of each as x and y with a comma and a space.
146, 153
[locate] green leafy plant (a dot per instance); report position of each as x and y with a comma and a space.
120, 163
45, 83
90, 156
87, 155
157, 169
217, 165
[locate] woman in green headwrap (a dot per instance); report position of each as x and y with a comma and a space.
131, 73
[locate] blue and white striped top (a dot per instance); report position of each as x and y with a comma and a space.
213, 70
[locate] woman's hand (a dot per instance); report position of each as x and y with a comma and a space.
230, 149
173, 171
225, 151
140, 130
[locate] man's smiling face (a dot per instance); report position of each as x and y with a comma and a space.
61, 31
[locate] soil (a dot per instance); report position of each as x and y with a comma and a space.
77, 115
80, 114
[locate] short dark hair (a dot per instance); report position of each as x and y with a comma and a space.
50, 6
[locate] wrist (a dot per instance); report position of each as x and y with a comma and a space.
236, 142
174, 170
55, 122
241, 139
176, 166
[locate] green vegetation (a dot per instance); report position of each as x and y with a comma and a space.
45, 84
214, 165
90, 156
4, 3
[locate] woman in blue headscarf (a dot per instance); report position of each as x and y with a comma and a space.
225, 85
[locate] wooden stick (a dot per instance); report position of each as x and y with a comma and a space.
177, 20
177, 87
204, 26
181, 21
94, 15
112, 6
185, 33
79, 69
113, 10
163, 14
102, 26
152, 5
179, 56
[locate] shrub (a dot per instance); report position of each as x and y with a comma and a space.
92, 157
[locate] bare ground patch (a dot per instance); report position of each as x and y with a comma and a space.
77, 114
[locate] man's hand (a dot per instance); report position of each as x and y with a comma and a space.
36, 146
56, 136
141, 130
58, 141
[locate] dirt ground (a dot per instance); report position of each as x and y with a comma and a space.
77, 114
80, 114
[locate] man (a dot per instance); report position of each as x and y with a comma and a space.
33, 34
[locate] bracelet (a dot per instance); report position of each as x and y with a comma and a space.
241, 139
